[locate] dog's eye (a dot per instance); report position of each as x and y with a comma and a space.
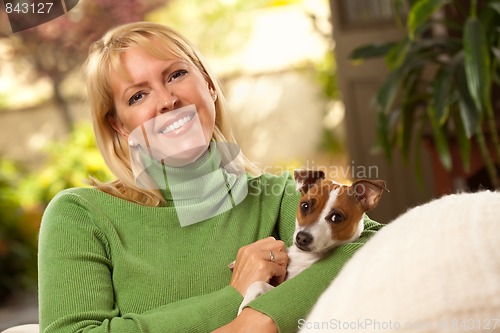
335, 217
304, 207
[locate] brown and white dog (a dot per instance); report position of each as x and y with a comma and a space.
329, 214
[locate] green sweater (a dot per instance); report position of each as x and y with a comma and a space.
110, 265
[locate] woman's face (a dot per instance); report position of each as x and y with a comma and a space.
166, 105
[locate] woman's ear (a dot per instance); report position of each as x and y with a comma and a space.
213, 92
117, 125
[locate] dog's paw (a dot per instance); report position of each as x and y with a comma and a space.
255, 290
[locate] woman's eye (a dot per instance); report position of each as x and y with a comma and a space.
136, 98
177, 74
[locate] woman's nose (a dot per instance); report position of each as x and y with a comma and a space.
167, 101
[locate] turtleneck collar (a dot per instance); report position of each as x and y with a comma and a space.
201, 189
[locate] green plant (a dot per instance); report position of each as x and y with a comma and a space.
441, 76
17, 242
69, 163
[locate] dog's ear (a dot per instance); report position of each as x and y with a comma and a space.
306, 178
368, 192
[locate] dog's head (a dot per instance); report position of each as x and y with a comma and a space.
329, 213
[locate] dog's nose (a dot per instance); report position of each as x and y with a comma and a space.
303, 239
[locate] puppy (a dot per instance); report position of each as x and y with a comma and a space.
329, 214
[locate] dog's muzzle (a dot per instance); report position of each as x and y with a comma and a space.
303, 240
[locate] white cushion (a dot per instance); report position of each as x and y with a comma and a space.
31, 328
436, 268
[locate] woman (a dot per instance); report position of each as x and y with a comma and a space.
128, 256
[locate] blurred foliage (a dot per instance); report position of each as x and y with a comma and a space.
227, 21
331, 142
69, 164
326, 75
17, 240
3, 101
24, 196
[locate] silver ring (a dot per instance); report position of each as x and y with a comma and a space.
271, 256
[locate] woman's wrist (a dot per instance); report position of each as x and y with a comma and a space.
250, 321
259, 321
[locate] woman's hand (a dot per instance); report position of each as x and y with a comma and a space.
249, 321
263, 260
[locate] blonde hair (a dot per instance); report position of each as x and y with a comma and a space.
103, 59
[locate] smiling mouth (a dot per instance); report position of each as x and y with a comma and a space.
178, 124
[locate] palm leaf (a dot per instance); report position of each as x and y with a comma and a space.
421, 12
477, 63
440, 139
464, 143
469, 113
440, 93
371, 51
383, 134
386, 95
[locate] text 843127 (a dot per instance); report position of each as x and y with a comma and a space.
28, 7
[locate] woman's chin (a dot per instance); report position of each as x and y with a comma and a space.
185, 156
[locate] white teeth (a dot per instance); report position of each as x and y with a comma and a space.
178, 124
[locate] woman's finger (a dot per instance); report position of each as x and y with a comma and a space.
278, 257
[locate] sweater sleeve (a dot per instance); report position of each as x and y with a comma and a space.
76, 290
293, 299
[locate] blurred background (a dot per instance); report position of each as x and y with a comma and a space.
347, 86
